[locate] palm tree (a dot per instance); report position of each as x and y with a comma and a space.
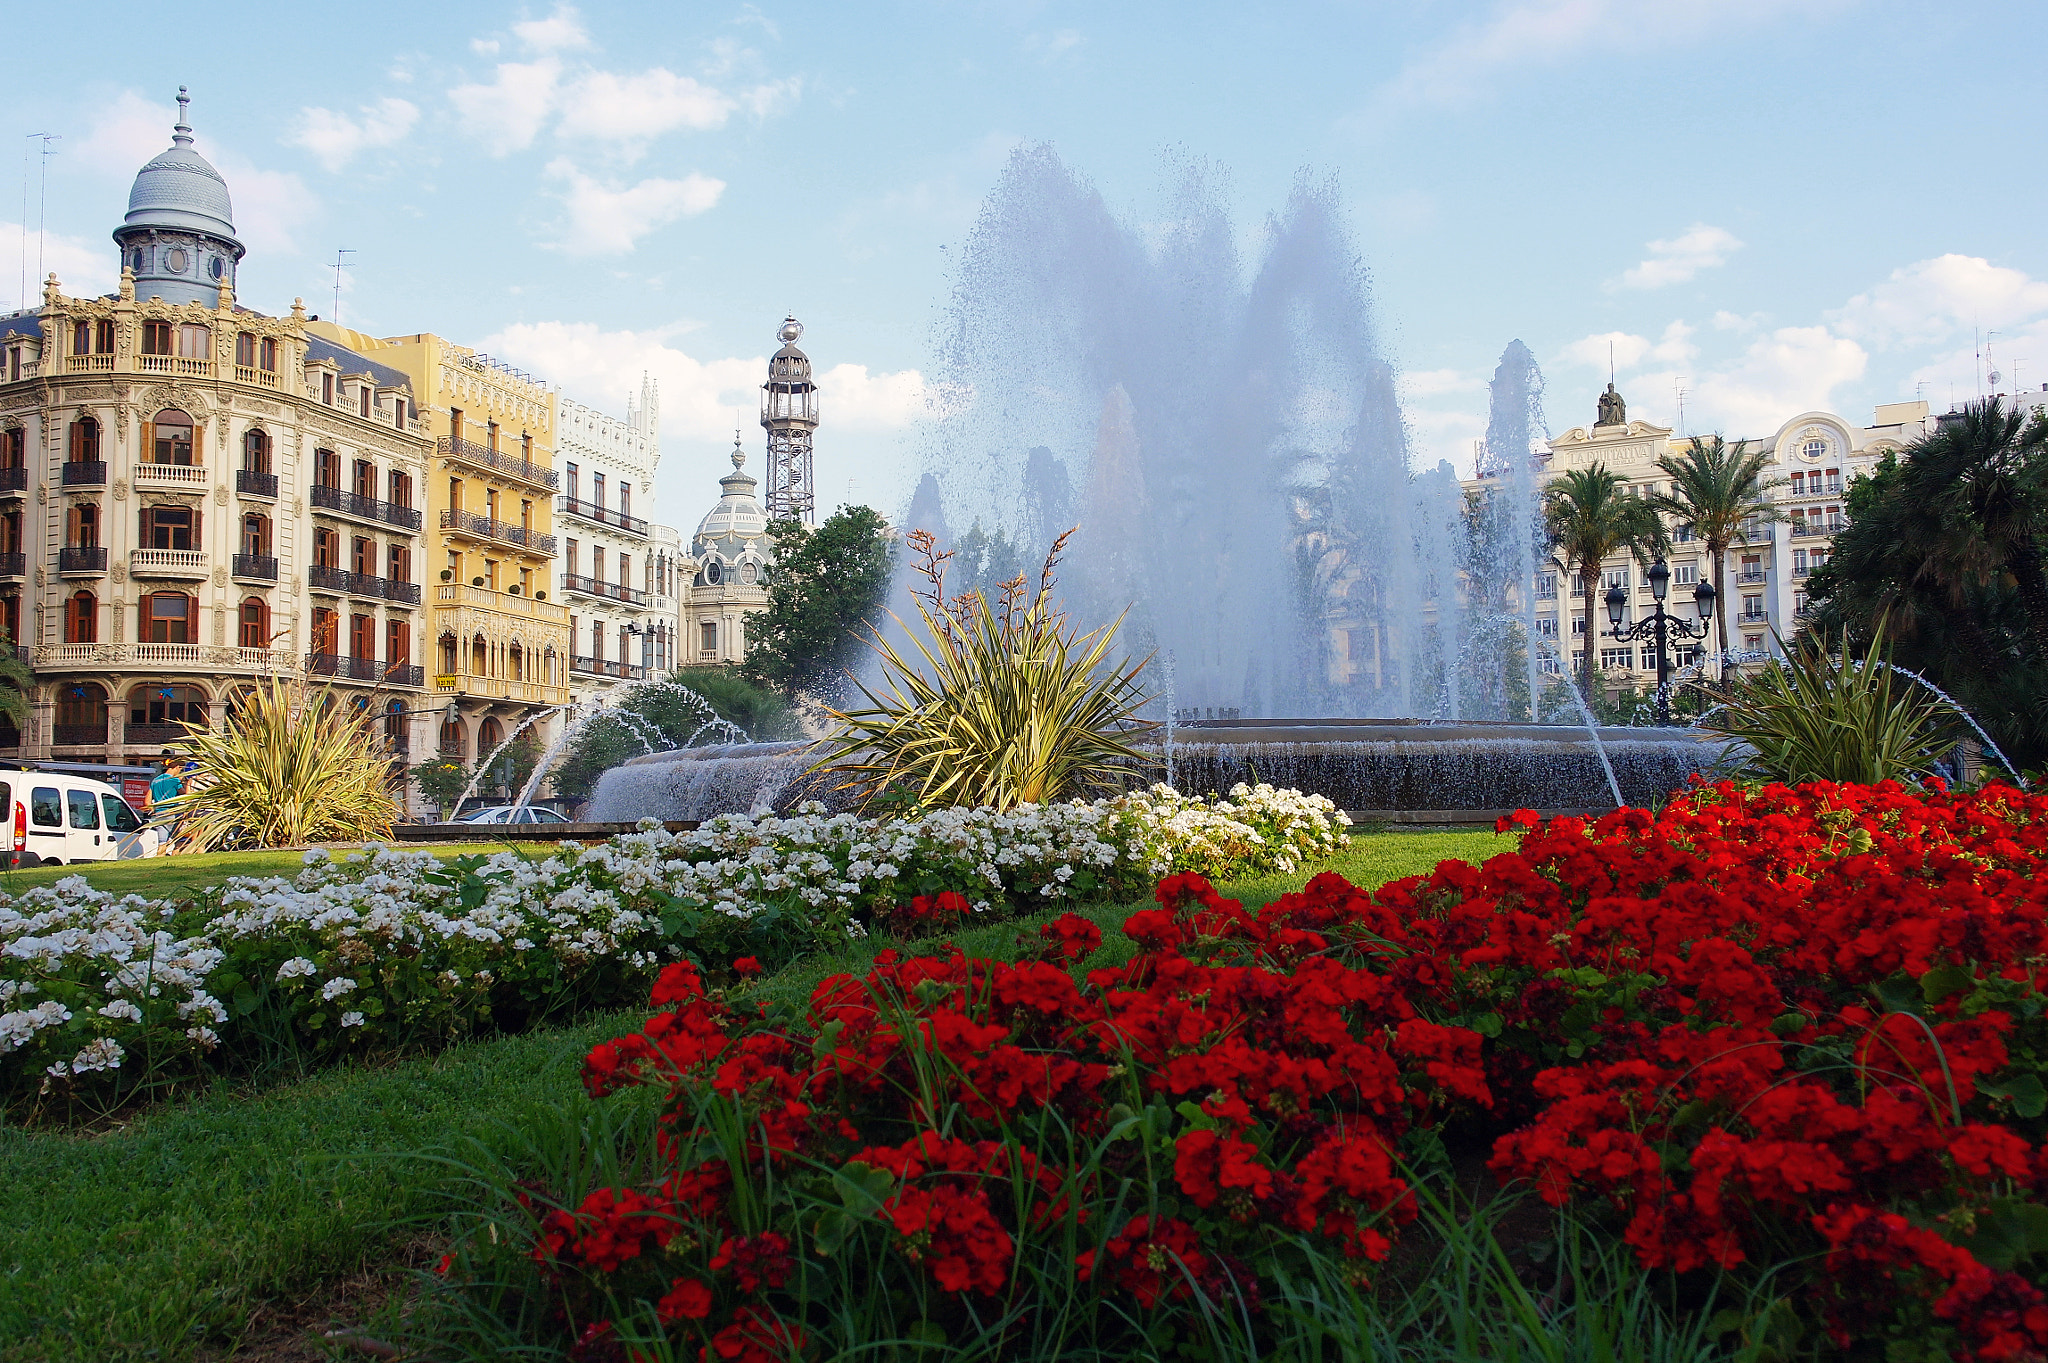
15, 681
1590, 514
1720, 490
1982, 477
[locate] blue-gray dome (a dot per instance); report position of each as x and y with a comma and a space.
737, 516
178, 189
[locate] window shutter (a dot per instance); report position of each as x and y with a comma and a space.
148, 443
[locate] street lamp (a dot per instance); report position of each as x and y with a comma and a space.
1660, 627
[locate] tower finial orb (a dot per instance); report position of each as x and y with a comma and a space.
739, 456
790, 330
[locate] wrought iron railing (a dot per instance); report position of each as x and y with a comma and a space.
469, 523
610, 591
85, 473
250, 483
82, 559
455, 447
368, 508
262, 566
78, 735
606, 667
14, 480
591, 511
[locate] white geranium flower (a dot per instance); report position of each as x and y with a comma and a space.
351, 1019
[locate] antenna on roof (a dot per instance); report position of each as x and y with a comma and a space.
339, 266
1678, 387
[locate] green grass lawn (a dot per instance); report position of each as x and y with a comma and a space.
181, 1234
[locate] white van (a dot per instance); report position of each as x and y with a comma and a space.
58, 818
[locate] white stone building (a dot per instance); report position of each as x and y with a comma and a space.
615, 571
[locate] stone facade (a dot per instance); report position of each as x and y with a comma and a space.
1816, 454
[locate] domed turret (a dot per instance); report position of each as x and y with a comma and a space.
737, 517
179, 235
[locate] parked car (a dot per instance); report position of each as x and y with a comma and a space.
512, 814
56, 818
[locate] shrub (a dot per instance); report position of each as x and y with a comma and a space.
394, 950
1812, 716
1793, 1037
291, 765
1008, 704
441, 781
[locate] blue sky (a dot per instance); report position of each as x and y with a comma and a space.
1775, 204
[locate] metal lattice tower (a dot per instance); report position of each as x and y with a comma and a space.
789, 413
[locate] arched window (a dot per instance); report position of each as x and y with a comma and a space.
448, 659
82, 619
547, 659
235, 699
479, 657
85, 441
454, 743
255, 630
171, 437
394, 725
256, 450
256, 534
81, 714
162, 703
515, 662
488, 736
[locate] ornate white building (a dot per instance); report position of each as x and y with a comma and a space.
616, 571
193, 493
733, 555
1815, 454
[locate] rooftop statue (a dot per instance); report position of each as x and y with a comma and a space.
1613, 411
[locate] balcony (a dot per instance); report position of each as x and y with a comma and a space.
322, 578
250, 483
13, 565
608, 591
175, 364
456, 594
1807, 530
182, 477
364, 669
605, 667
365, 508
469, 452
484, 528
402, 593
13, 480
166, 563
89, 364
78, 735
591, 511
259, 566
85, 473
249, 373
1752, 575
1753, 618
157, 657
86, 559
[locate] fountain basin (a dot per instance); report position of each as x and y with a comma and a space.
1389, 770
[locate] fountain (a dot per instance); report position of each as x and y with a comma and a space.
1226, 433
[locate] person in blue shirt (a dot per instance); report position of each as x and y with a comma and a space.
166, 785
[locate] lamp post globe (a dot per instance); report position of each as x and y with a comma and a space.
1660, 579
1703, 599
1617, 602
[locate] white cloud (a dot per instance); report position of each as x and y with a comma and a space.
1055, 46
335, 138
1699, 247
127, 132
860, 401
771, 97
607, 221
507, 114
1931, 300
1792, 370
271, 207
630, 108
84, 269
1535, 33
561, 31
1625, 350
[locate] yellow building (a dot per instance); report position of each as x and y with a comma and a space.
497, 650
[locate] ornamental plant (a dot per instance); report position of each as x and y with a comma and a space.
291, 765
1003, 704
1789, 1039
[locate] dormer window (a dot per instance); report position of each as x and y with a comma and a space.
327, 388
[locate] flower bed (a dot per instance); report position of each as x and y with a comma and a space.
1792, 1034
398, 949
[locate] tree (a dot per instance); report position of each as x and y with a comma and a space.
672, 713
1720, 491
15, 681
1589, 515
442, 780
827, 587
1943, 548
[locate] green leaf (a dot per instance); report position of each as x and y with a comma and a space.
1898, 994
1938, 983
2028, 1096
926, 1332
1195, 1117
833, 1229
862, 1188
1487, 1024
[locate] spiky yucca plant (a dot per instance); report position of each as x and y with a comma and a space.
1003, 705
1819, 716
292, 765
